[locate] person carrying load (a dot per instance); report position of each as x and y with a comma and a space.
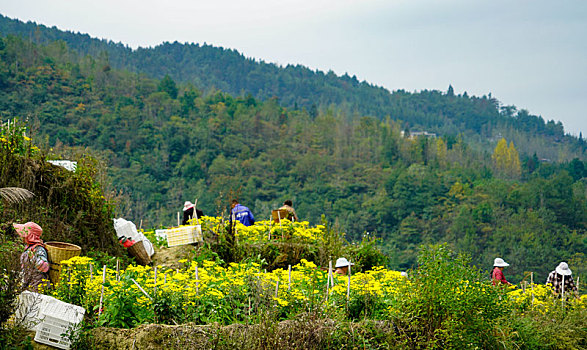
287, 205
35, 259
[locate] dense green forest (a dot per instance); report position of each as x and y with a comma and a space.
165, 142
480, 120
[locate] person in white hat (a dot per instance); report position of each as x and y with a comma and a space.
188, 212
556, 278
497, 276
342, 266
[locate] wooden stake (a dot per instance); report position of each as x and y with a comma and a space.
276, 288
102, 293
197, 282
141, 289
330, 276
327, 284
289, 277
348, 288
177, 219
155, 271
195, 212
117, 271
532, 285
279, 217
563, 292
141, 225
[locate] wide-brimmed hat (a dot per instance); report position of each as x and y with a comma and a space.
342, 262
30, 232
187, 205
500, 263
563, 269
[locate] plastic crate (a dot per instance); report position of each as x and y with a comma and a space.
53, 331
60, 320
184, 235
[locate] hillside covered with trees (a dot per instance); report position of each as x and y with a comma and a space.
480, 120
165, 141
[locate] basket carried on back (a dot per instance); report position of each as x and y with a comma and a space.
58, 252
138, 251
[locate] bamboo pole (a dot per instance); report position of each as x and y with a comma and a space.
289, 277
177, 219
276, 288
102, 293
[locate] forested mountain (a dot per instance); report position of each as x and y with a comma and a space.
480, 120
165, 142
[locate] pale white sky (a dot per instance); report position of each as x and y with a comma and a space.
529, 53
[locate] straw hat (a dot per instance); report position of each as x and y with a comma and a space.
500, 263
342, 262
187, 205
563, 269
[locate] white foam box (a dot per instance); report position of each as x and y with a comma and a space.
161, 234
184, 235
59, 322
29, 308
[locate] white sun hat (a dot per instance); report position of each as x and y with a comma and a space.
187, 205
342, 262
500, 263
563, 269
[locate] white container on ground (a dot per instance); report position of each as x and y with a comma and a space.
30, 307
60, 322
184, 235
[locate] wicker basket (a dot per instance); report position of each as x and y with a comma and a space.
58, 252
138, 251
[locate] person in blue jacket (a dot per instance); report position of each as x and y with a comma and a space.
242, 213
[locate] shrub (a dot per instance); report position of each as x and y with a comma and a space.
448, 304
